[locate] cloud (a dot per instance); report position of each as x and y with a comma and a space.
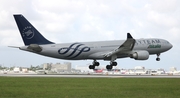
93, 17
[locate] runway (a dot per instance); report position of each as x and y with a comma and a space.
88, 76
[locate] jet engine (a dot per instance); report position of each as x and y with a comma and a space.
140, 55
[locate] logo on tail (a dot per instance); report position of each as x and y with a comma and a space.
28, 32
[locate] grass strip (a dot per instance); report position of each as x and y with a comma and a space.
25, 87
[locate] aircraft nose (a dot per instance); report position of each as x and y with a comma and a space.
170, 45
167, 45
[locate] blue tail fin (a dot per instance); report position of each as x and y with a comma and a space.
29, 34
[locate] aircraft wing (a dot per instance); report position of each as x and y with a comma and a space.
128, 45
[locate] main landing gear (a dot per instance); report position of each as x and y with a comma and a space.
109, 67
112, 63
158, 59
95, 63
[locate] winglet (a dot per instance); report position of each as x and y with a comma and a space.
129, 36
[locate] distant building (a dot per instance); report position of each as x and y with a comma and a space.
139, 67
140, 70
16, 69
24, 69
160, 71
58, 67
46, 66
83, 68
173, 69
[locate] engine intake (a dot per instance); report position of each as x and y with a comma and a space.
140, 55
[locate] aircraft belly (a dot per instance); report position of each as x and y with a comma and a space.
68, 56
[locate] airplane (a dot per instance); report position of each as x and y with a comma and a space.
138, 49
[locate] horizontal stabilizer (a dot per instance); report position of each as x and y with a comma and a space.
13, 46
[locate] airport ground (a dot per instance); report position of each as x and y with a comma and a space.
88, 75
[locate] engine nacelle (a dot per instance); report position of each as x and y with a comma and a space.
140, 55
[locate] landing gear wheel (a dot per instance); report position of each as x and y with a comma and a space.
96, 64
108, 67
157, 59
91, 66
114, 64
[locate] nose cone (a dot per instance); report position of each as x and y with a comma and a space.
170, 45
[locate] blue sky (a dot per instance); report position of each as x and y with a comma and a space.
64, 21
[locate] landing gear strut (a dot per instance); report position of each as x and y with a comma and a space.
95, 63
158, 59
112, 63
109, 67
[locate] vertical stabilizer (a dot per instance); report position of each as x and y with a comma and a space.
29, 34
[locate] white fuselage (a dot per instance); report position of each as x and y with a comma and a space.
97, 50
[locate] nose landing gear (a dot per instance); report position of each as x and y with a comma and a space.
158, 59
